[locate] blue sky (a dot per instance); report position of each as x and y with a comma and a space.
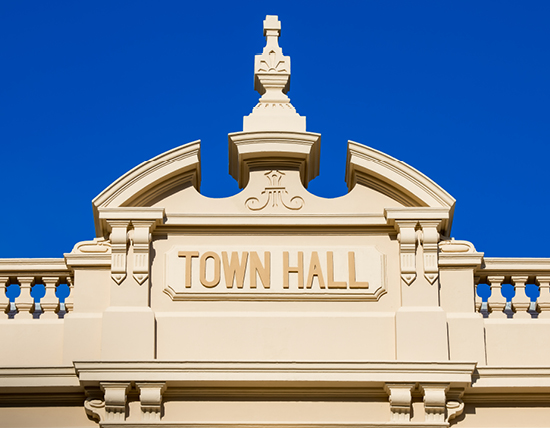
458, 90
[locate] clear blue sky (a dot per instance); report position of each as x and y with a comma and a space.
458, 90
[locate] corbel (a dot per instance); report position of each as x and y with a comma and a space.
400, 400
150, 397
455, 405
407, 249
141, 239
430, 239
115, 400
435, 401
94, 404
119, 247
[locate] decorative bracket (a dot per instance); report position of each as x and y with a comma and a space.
455, 405
119, 246
150, 397
115, 400
400, 400
141, 240
429, 240
94, 405
435, 401
407, 246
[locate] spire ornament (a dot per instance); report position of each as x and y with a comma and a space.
274, 112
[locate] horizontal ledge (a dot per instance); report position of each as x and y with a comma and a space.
34, 266
131, 213
511, 377
38, 377
88, 259
273, 424
372, 296
255, 219
297, 372
504, 265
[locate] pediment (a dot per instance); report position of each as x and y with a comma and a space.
375, 180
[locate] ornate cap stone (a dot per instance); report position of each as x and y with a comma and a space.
274, 136
274, 112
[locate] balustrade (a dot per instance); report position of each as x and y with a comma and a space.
523, 278
29, 276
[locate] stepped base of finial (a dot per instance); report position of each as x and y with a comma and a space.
267, 150
274, 117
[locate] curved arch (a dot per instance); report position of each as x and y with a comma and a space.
143, 182
394, 178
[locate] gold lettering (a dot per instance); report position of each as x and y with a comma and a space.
331, 283
188, 259
352, 276
315, 270
287, 270
264, 271
234, 270
216, 280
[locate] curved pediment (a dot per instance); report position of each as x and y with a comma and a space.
148, 181
377, 182
393, 178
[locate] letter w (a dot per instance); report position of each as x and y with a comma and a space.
234, 270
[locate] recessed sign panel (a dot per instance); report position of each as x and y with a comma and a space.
274, 273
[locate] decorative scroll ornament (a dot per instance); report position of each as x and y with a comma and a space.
275, 194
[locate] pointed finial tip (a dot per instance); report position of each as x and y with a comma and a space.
272, 23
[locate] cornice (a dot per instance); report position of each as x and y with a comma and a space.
501, 265
251, 220
38, 377
35, 267
234, 373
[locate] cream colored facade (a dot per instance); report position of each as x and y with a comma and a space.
274, 307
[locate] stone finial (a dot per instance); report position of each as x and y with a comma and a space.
272, 68
274, 112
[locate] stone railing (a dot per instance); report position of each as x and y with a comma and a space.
35, 288
513, 288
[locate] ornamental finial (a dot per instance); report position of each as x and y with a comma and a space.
272, 80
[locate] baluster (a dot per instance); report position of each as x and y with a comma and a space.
520, 301
4, 300
497, 302
25, 302
477, 299
49, 302
544, 299
69, 299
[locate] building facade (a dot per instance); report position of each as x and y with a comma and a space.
274, 307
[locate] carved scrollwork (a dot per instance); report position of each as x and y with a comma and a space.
274, 194
95, 408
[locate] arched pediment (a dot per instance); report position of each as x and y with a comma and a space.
393, 178
151, 179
